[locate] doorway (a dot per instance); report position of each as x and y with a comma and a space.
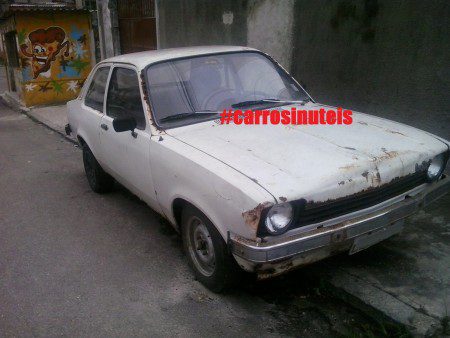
12, 59
137, 25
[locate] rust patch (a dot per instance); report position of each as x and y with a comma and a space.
349, 166
423, 166
395, 132
265, 272
251, 217
365, 175
313, 204
387, 155
243, 240
147, 101
376, 180
283, 199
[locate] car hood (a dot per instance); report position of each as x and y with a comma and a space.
316, 162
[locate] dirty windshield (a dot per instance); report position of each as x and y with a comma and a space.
196, 89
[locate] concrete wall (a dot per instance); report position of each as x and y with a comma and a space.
202, 22
388, 58
277, 40
108, 28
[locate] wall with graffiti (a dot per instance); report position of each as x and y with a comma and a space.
55, 55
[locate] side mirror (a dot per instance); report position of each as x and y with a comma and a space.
127, 123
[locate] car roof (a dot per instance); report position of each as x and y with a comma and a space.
143, 59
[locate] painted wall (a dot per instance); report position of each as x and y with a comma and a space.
55, 55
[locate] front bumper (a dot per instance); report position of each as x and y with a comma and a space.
354, 235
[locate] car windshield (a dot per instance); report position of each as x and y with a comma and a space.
196, 89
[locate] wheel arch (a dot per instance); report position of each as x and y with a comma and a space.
81, 140
178, 204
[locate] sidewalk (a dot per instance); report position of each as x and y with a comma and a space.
54, 117
405, 279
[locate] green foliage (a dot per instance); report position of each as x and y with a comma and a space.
78, 65
57, 86
21, 36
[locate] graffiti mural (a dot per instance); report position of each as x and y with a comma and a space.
55, 56
45, 46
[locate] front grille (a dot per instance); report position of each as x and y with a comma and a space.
318, 212
311, 212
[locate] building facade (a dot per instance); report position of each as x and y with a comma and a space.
126, 26
49, 51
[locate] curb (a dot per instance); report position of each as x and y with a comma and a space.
17, 106
371, 300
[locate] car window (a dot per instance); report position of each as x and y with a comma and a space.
124, 96
96, 92
212, 83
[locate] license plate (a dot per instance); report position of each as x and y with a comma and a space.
367, 240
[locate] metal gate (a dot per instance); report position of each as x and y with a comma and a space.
137, 25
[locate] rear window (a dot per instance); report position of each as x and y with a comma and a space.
96, 92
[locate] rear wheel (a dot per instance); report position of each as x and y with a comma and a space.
99, 181
206, 251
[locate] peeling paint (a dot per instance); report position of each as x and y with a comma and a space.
376, 179
365, 175
251, 217
423, 166
376, 184
349, 166
387, 155
395, 132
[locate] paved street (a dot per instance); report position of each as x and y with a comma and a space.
75, 263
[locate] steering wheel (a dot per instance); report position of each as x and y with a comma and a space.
214, 94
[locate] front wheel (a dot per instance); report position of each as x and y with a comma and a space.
206, 251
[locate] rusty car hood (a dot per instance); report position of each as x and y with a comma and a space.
316, 162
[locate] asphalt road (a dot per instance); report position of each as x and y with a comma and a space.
74, 263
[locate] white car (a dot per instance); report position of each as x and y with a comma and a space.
267, 198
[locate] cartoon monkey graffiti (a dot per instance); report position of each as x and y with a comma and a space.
46, 44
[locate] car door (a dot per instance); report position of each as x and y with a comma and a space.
127, 154
92, 107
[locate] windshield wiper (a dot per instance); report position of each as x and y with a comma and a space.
256, 102
185, 115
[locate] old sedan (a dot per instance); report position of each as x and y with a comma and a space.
267, 198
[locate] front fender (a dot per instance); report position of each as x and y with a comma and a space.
223, 194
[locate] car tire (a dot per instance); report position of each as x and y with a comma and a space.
206, 251
99, 181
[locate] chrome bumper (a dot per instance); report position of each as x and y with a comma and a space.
386, 219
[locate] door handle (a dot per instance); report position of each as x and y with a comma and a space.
104, 126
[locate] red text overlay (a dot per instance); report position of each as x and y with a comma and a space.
292, 116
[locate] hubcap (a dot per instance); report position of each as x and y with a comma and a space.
201, 247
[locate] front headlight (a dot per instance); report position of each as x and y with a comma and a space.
279, 218
436, 167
